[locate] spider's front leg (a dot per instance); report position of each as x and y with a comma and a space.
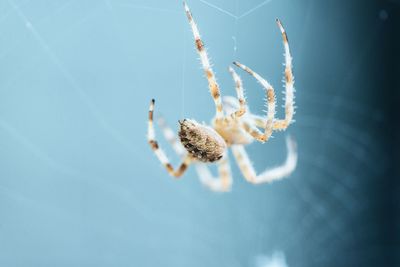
240, 96
289, 84
268, 175
205, 62
160, 153
268, 125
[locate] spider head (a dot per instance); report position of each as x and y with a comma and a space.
201, 141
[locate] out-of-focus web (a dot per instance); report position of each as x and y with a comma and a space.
71, 80
236, 17
54, 164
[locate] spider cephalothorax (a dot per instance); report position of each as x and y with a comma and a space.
232, 127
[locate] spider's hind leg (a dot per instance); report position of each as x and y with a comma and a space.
160, 153
269, 175
223, 182
171, 137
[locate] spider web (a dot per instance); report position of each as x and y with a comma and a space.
75, 170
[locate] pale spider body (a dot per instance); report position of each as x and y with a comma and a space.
233, 126
232, 131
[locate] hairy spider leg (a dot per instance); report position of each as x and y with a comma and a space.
171, 137
289, 84
240, 95
269, 90
269, 175
212, 83
160, 153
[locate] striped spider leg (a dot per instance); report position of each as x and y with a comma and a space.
239, 151
162, 157
205, 62
271, 103
241, 110
289, 84
171, 138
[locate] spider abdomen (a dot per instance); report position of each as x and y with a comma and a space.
201, 141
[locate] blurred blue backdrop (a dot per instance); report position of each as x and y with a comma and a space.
79, 185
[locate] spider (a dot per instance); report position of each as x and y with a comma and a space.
233, 126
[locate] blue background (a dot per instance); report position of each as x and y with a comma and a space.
79, 185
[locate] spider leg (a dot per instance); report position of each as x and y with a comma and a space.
223, 182
240, 95
160, 153
289, 84
256, 120
171, 137
230, 102
269, 90
212, 83
268, 175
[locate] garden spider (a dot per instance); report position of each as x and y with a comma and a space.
232, 127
